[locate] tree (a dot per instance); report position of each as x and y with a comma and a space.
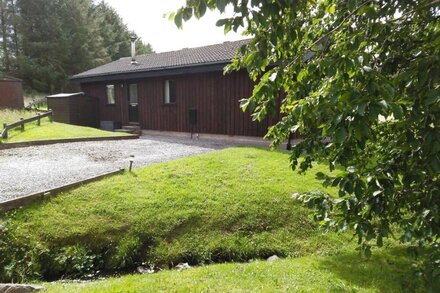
46, 41
141, 47
8, 36
4, 34
116, 35
361, 84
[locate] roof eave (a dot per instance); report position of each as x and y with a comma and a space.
195, 68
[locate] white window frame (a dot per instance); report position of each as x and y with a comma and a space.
110, 93
167, 92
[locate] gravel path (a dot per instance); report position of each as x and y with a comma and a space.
32, 169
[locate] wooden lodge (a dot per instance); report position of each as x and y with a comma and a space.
179, 91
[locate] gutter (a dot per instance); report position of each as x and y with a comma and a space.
158, 72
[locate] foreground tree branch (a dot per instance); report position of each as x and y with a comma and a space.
368, 104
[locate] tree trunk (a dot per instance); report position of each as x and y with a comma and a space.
15, 33
4, 35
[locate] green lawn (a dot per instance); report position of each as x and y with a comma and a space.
47, 130
386, 271
229, 205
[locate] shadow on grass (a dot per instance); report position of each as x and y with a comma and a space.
387, 268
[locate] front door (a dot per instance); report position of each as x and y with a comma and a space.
133, 106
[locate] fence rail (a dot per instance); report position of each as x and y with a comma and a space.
22, 122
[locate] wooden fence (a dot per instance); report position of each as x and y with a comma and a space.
22, 122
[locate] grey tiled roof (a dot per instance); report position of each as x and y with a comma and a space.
213, 54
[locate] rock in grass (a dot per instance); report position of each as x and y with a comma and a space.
144, 270
273, 258
183, 266
19, 288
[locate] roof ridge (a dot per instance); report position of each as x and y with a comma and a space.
188, 57
192, 48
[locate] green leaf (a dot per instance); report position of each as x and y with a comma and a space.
431, 98
320, 176
178, 18
171, 16
360, 109
201, 10
351, 169
340, 135
332, 9
301, 75
383, 104
366, 68
377, 192
222, 22
187, 14
221, 5
397, 110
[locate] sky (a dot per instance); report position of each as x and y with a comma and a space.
145, 17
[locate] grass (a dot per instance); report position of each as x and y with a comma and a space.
386, 271
31, 97
47, 130
13, 115
232, 205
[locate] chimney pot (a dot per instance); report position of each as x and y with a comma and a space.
133, 39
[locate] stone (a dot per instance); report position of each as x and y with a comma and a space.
144, 270
183, 266
19, 288
273, 258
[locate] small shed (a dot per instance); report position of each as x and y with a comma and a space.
74, 108
11, 92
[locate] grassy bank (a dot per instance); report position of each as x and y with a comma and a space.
232, 205
47, 130
386, 271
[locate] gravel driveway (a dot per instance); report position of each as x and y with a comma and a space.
32, 169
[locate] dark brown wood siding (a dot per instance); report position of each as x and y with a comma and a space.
117, 112
77, 110
214, 96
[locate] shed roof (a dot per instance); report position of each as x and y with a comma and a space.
65, 95
190, 57
9, 78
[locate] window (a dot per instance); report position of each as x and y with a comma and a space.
111, 94
170, 92
133, 93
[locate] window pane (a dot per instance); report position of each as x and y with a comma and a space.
172, 91
133, 93
167, 92
110, 94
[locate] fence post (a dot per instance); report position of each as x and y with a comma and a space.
39, 120
51, 116
22, 124
5, 133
